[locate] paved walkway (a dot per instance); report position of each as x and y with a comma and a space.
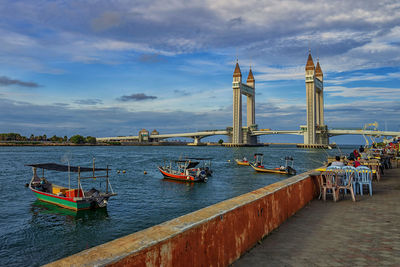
364, 233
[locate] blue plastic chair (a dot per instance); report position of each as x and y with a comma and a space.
350, 170
364, 178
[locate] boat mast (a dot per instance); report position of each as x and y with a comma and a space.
79, 179
34, 175
69, 176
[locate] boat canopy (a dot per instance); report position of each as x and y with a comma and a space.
63, 168
190, 164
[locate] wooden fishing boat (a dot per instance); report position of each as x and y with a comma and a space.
183, 171
67, 197
288, 170
259, 167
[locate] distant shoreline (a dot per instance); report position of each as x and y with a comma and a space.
97, 144
38, 143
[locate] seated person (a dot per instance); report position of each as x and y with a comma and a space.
356, 163
337, 162
364, 155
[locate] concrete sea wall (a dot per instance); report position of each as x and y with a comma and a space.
213, 236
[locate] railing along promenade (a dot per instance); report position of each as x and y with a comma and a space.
213, 236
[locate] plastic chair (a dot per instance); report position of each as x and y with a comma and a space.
347, 182
348, 170
336, 169
328, 183
364, 178
357, 178
374, 165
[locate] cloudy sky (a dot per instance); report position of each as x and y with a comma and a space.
107, 68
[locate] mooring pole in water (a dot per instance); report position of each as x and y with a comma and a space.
93, 166
107, 181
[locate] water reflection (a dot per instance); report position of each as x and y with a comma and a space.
188, 184
33, 233
40, 208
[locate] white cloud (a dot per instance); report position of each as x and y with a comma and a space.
278, 74
345, 33
362, 92
106, 21
12, 40
356, 77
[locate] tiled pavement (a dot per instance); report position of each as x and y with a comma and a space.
364, 233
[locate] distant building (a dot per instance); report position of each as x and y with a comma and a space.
154, 132
143, 135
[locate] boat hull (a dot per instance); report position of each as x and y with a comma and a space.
179, 177
242, 163
64, 202
262, 169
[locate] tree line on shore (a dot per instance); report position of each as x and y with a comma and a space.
75, 139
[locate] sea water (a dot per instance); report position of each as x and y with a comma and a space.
33, 233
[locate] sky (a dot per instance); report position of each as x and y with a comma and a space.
111, 68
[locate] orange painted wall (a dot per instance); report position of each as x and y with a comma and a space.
213, 236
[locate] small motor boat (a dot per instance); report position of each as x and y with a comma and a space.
259, 167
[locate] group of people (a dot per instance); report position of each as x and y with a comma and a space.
362, 154
353, 159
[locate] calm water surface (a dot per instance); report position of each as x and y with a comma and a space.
33, 233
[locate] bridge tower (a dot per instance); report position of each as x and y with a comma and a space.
242, 135
316, 131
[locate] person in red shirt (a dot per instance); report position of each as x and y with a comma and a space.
356, 154
356, 162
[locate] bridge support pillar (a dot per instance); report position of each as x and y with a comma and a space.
321, 135
322, 138
196, 141
247, 138
241, 135
316, 131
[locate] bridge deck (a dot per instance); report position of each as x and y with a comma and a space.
203, 134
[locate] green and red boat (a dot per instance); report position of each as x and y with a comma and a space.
67, 197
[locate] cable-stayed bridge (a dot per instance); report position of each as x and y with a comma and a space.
316, 133
197, 136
